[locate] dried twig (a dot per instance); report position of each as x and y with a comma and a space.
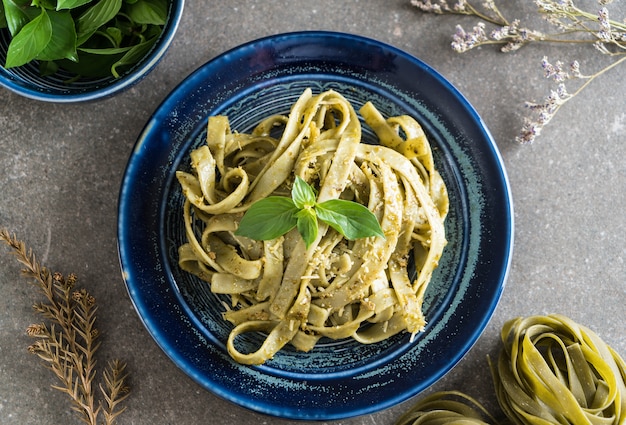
572, 25
67, 339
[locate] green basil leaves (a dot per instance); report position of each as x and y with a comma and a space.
274, 216
31, 40
268, 219
91, 38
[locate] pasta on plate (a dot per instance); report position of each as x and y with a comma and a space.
336, 288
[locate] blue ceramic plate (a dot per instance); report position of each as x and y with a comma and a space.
343, 378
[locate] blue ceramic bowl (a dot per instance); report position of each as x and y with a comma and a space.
337, 379
26, 80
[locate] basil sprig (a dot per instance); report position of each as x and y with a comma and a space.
274, 216
91, 38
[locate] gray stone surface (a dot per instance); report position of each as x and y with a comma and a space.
61, 167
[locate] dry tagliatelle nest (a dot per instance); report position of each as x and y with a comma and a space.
551, 370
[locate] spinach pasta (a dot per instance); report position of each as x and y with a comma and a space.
297, 293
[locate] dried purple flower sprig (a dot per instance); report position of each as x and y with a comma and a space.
544, 111
573, 25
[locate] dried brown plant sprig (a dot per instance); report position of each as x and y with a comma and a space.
114, 389
572, 25
67, 340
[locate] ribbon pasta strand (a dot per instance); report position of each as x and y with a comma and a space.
336, 288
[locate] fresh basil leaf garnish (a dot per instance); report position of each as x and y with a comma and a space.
268, 218
302, 193
351, 219
272, 217
307, 225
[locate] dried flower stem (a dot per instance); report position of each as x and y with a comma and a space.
68, 343
545, 111
573, 24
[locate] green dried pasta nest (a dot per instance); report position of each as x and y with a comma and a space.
551, 370
555, 371
446, 407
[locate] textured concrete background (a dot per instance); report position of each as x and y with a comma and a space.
61, 168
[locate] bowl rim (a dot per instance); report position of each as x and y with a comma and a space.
137, 73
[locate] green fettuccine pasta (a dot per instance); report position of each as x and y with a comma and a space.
551, 371
555, 371
297, 293
446, 407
